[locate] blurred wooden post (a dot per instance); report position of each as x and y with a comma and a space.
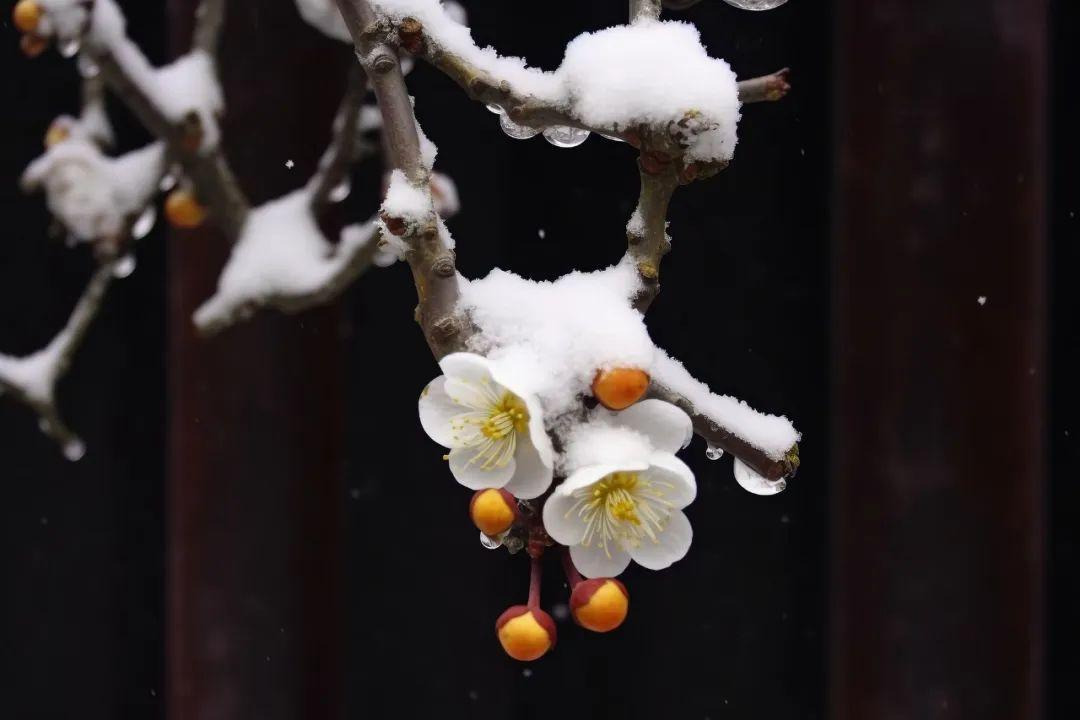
254, 596
939, 359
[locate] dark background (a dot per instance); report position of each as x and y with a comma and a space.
737, 629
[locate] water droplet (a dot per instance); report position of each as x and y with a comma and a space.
526, 673
752, 482
69, 47
145, 223
341, 191
564, 136
497, 109
518, 132
560, 611
74, 450
169, 180
124, 266
756, 4
713, 453
87, 67
490, 543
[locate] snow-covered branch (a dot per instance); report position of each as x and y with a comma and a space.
409, 210
767, 88
32, 379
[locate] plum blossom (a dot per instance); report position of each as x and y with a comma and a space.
625, 498
494, 430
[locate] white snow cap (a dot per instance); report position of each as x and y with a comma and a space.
649, 72
774, 435
281, 253
91, 194
653, 73
552, 337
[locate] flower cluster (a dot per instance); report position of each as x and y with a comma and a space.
620, 499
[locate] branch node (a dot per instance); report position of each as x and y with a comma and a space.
445, 328
648, 271
443, 266
383, 62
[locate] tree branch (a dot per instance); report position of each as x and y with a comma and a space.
718, 436
767, 88
343, 150
209, 20
431, 261
32, 379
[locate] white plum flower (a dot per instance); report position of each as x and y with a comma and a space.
495, 433
625, 501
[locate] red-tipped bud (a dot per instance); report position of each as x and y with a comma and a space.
411, 35
493, 511
32, 45
395, 225
619, 388
525, 633
600, 604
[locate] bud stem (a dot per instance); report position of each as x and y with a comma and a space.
572, 575
535, 573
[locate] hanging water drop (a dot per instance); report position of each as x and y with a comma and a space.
497, 109
713, 453
74, 449
69, 47
340, 191
87, 67
518, 132
752, 482
564, 136
755, 4
145, 223
124, 267
169, 180
490, 543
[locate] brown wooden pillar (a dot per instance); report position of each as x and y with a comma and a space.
939, 359
254, 596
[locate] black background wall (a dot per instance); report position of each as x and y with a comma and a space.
736, 629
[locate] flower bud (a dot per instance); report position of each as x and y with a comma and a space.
599, 604
32, 45
27, 15
493, 511
619, 388
57, 133
183, 210
525, 633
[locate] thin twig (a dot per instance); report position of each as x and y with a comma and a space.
209, 20
431, 261
342, 152
767, 88
55, 359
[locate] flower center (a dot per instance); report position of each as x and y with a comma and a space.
506, 416
624, 508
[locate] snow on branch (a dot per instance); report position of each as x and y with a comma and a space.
32, 379
768, 444
281, 259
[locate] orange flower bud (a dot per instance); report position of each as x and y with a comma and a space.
525, 633
27, 15
600, 604
183, 210
493, 511
32, 45
619, 388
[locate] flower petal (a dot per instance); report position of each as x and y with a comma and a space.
667, 427
437, 410
473, 476
532, 477
679, 488
591, 473
561, 522
537, 433
594, 561
468, 366
670, 545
